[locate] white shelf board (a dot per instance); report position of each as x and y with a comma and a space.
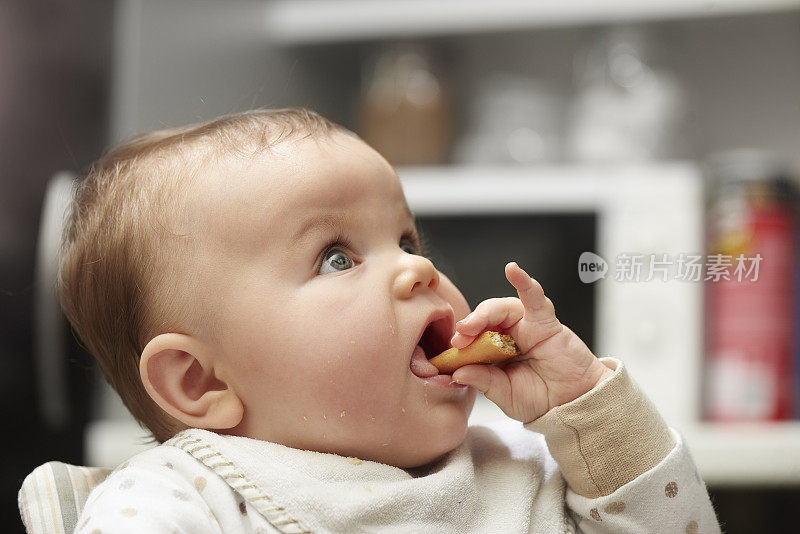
746, 454
558, 189
574, 188
292, 22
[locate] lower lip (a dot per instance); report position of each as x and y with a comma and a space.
445, 381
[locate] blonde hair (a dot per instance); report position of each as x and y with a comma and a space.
116, 278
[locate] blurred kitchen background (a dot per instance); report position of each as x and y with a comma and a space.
649, 133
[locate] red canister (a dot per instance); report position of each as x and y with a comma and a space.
750, 290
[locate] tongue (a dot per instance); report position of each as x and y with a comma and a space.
420, 365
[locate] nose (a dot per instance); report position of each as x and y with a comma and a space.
415, 273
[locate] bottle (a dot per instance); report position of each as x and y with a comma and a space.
750, 313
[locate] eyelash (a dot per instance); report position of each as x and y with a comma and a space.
415, 241
340, 241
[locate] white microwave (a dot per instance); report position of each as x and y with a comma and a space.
650, 212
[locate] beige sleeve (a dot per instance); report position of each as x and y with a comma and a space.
607, 437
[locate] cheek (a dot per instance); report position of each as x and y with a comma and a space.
349, 341
452, 295
351, 319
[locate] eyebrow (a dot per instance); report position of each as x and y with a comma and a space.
329, 222
333, 223
409, 215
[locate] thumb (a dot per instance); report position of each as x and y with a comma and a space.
489, 380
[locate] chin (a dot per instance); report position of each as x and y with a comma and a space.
422, 458
443, 441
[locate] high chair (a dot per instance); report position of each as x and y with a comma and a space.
52, 496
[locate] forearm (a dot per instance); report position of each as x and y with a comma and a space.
606, 437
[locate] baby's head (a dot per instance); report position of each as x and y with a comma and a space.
260, 275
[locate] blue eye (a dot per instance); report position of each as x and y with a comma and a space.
408, 247
335, 260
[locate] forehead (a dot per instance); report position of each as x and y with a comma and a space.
290, 185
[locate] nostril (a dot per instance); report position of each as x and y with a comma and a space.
434, 283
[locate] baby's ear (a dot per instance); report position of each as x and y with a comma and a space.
179, 375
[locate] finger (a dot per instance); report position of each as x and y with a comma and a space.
537, 306
459, 340
496, 312
529, 333
489, 380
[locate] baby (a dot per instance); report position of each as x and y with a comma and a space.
254, 290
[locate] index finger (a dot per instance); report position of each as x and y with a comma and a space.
530, 292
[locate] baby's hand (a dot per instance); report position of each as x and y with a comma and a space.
554, 365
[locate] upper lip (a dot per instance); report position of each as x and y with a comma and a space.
440, 326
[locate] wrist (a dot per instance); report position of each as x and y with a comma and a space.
607, 437
592, 378
597, 374
605, 372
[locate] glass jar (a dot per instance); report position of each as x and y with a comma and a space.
404, 113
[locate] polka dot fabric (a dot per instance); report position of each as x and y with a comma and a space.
166, 490
160, 491
670, 499
502, 478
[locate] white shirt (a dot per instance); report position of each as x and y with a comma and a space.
502, 478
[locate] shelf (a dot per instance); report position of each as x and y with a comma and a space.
550, 188
293, 23
746, 454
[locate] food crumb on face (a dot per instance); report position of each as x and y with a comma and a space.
353, 460
344, 412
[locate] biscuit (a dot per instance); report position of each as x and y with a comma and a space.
489, 347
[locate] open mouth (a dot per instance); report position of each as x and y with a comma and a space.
433, 340
436, 337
